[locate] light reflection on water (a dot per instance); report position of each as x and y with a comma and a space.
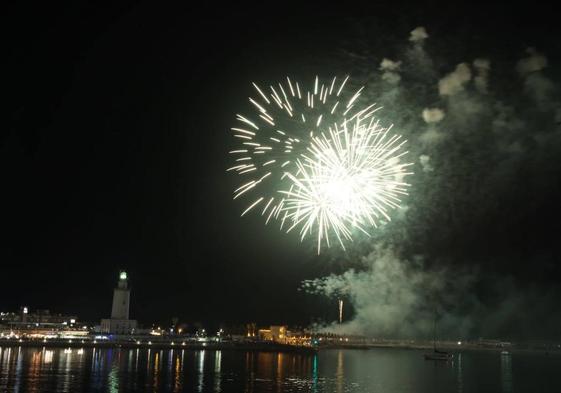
379, 370
459, 373
217, 368
506, 373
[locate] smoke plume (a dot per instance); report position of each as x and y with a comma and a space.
485, 142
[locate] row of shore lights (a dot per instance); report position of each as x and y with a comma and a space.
150, 343
95, 342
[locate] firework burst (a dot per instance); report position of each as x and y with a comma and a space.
286, 120
348, 179
289, 163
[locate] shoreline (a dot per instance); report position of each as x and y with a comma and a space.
448, 348
212, 346
262, 346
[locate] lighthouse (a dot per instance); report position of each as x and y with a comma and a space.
121, 298
119, 323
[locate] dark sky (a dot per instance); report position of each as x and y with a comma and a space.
115, 153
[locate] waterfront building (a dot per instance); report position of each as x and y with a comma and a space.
39, 324
27, 316
276, 333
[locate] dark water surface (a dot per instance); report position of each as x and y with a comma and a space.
375, 370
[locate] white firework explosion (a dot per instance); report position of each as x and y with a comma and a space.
289, 164
287, 119
348, 179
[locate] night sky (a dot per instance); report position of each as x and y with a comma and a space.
115, 153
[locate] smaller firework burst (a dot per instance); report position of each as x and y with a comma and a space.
286, 117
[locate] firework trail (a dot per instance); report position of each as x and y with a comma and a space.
297, 151
340, 311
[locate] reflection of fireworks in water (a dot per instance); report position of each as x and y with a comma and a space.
325, 180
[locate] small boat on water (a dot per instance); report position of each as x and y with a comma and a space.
439, 355
436, 354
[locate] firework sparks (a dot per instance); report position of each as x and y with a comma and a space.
287, 117
348, 179
297, 172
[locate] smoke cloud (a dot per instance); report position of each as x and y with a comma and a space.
485, 143
454, 82
394, 297
425, 163
482, 67
418, 35
533, 63
433, 115
390, 69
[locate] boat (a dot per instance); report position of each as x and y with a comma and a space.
439, 355
436, 354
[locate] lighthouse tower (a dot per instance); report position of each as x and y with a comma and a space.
121, 298
119, 323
